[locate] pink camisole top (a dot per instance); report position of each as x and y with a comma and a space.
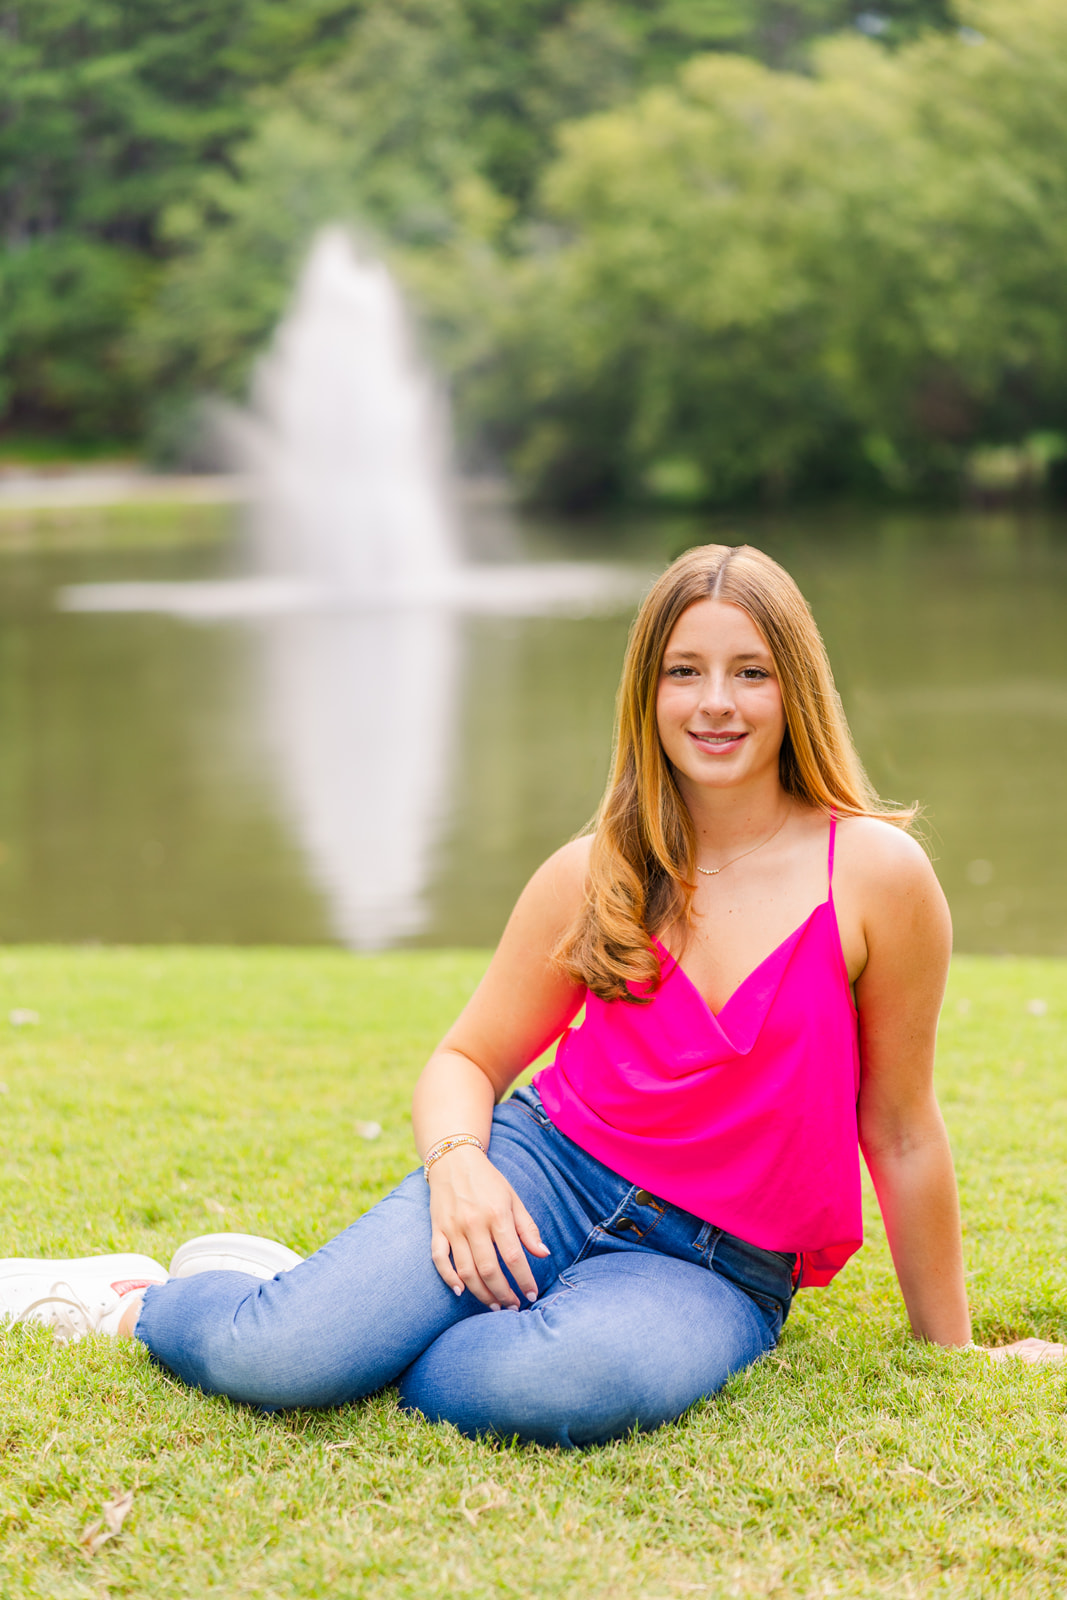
746, 1116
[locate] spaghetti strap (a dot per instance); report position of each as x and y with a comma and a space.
830, 859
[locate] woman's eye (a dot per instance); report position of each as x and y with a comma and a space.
754, 674
679, 672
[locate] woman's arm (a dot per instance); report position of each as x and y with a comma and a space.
899, 993
521, 1005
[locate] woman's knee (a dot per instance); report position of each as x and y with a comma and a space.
228, 1333
342, 1324
529, 1393
534, 1390
580, 1367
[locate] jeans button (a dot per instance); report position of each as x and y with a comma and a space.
642, 1198
626, 1225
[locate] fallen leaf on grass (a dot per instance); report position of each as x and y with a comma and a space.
495, 1497
106, 1527
368, 1130
917, 1472
215, 1207
846, 1438
21, 1018
907, 1468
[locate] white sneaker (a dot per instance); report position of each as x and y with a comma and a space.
233, 1252
74, 1298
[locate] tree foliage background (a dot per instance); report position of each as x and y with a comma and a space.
692, 249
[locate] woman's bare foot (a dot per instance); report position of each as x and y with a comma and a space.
1029, 1350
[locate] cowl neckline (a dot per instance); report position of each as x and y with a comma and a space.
740, 1018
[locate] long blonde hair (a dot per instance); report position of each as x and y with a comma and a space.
642, 861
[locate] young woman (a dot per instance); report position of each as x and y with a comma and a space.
761, 952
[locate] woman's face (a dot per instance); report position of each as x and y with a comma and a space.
719, 705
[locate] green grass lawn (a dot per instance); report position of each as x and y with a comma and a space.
165, 1093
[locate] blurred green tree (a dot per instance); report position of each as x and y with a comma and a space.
109, 112
162, 162
761, 282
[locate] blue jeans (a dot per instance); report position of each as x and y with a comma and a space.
643, 1308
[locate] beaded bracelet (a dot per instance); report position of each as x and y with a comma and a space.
443, 1146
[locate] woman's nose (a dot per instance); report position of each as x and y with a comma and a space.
717, 699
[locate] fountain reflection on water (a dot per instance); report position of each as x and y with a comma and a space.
360, 584
361, 719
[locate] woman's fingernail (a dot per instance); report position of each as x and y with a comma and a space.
494, 1306
531, 1294
457, 1288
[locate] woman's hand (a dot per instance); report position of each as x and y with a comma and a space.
478, 1222
522, 1004
1032, 1351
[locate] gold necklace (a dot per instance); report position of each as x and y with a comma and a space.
713, 872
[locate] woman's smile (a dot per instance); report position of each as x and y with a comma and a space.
718, 743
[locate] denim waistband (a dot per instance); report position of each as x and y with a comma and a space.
628, 1215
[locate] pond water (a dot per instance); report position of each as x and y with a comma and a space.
392, 779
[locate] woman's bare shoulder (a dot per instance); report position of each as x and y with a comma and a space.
566, 872
574, 855
556, 892
888, 885
893, 914
881, 854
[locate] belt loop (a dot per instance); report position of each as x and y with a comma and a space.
707, 1239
